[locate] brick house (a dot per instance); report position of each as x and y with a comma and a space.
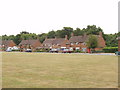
79, 42
4, 44
29, 44
56, 43
118, 43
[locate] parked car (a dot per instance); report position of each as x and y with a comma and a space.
66, 51
117, 53
9, 49
28, 50
53, 50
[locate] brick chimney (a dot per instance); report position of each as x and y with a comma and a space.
72, 34
66, 37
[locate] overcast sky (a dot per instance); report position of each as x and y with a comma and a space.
39, 16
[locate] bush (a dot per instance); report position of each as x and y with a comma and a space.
78, 51
39, 51
98, 51
16, 50
110, 49
42, 50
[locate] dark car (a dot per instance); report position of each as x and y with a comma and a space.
66, 51
28, 50
53, 50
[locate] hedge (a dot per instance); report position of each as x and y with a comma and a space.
110, 49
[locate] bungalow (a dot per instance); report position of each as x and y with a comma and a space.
56, 43
4, 44
29, 44
79, 42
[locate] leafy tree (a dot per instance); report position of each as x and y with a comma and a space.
111, 40
42, 37
24, 32
51, 34
92, 42
65, 31
92, 29
78, 32
17, 39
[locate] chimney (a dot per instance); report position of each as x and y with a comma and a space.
72, 34
100, 33
66, 37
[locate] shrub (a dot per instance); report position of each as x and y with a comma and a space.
110, 49
16, 50
42, 50
98, 51
78, 51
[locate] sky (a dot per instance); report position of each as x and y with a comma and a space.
42, 16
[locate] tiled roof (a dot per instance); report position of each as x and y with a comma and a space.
54, 41
31, 42
78, 39
48, 41
58, 41
5, 42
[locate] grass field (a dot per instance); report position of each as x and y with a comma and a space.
44, 70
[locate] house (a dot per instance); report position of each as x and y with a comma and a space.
56, 43
4, 44
118, 43
29, 44
79, 42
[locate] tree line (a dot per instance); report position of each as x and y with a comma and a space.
110, 39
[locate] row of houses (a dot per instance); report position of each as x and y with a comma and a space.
75, 43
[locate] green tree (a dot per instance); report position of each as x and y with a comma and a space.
92, 29
51, 34
92, 42
78, 32
42, 37
65, 31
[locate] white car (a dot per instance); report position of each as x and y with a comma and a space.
9, 49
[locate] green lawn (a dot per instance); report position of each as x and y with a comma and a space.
42, 70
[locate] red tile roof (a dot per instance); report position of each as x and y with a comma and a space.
30, 42
53, 41
5, 42
74, 39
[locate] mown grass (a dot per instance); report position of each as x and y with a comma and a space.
44, 70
